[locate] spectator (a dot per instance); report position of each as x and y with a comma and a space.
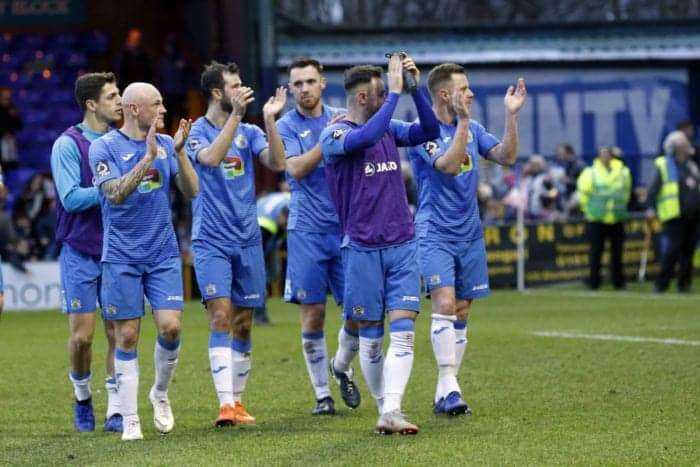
542, 193
687, 127
604, 191
10, 124
674, 197
566, 170
34, 220
132, 62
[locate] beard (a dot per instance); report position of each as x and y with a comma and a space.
309, 102
226, 106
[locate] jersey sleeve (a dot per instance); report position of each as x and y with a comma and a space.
65, 169
430, 151
257, 140
485, 141
401, 131
196, 141
102, 163
292, 148
333, 141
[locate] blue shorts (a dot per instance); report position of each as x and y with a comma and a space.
379, 281
236, 272
462, 265
124, 286
81, 276
314, 265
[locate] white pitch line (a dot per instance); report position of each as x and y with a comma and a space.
611, 337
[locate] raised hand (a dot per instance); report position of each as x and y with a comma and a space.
240, 98
395, 74
182, 133
410, 66
515, 97
461, 102
151, 145
275, 103
336, 118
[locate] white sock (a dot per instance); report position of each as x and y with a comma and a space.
240, 353
313, 346
221, 364
461, 342
126, 370
165, 358
81, 386
372, 361
442, 336
348, 345
112, 396
398, 363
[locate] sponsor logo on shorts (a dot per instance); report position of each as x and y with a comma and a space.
174, 298
252, 296
358, 310
410, 298
480, 287
211, 289
435, 279
111, 310
75, 303
301, 294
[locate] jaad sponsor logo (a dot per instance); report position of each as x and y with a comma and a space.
372, 168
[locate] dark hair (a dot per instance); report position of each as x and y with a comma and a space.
684, 124
302, 62
213, 76
361, 74
89, 87
442, 73
569, 149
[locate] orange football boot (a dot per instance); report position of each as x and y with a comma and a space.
227, 416
241, 416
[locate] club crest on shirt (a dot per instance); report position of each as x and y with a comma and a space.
431, 147
192, 143
102, 169
241, 141
161, 154
338, 133
232, 167
358, 310
466, 164
151, 181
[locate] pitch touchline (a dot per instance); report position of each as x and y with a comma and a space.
611, 337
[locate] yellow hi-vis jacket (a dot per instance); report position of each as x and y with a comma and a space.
668, 203
604, 193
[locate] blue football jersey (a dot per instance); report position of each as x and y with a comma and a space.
310, 208
224, 212
447, 204
139, 230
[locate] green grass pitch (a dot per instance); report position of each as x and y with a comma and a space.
536, 400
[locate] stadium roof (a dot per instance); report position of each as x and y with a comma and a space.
604, 43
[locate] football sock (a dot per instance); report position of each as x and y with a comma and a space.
372, 360
221, 363
240, 351
398, 363
81, 386
348, 345
126, 369
165, 358
313, 346
460, 342
442, 336
112, 396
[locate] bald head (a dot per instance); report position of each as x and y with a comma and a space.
142, 103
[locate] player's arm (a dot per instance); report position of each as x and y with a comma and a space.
428, 127
273, 156
65, 170
116, 190
213, 154
299, 166
186, 179
506, 152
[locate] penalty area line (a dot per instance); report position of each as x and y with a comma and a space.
612, 337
